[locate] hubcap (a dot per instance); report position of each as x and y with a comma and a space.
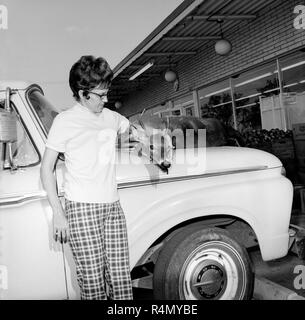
210, 280
211, 273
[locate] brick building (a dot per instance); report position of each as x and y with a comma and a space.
259, 84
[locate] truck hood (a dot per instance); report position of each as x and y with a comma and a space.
186, 162
227, 158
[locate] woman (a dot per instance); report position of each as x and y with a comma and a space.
93, 221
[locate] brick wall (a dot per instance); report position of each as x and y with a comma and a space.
270, 35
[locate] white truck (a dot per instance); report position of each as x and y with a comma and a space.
192, 226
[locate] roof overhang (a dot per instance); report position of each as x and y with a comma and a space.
191, 26
174, 18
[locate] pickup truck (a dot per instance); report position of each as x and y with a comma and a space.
190, 226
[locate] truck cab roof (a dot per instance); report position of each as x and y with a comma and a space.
14, 84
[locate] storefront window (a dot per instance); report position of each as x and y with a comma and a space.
184, 106
257, 100
160, 110
249, 89
293, 75
176, 112
189, 111
216, 102
169, 112
293, 72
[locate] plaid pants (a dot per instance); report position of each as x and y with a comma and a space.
98, 240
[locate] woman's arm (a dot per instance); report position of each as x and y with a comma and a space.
60, 223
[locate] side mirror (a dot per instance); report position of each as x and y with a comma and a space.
8, 127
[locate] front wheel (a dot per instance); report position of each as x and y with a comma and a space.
203, 264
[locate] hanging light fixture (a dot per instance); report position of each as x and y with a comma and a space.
223, 46
143, 69
118, 104
170, 75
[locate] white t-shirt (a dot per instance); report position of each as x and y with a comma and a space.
88, 142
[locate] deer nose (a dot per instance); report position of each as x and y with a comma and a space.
166, 164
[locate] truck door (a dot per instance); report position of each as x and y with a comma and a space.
31, 264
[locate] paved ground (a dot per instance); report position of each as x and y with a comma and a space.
281, 271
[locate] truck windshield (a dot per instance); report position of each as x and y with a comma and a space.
44, 109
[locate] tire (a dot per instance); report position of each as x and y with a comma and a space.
195, 255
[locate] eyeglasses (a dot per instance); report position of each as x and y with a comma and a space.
101, 96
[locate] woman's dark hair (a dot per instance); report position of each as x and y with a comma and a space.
89, 72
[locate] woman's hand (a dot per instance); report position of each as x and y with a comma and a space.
60, 227
60, 223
